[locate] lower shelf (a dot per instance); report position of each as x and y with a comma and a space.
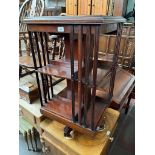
60, 109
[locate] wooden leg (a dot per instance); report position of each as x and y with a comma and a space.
29, 131
26, 140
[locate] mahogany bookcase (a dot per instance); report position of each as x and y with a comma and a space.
77, 106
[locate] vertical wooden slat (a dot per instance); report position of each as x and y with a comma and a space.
44, 59
44, 80
38, 51
46, 47
95, 60
72, 70
35, 66
42, 46
54, 49
87, 62
79, 71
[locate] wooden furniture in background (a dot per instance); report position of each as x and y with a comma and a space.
127, 47
78, 109
28, 92
124, 81
96, 7
120, 7
71, 7
29, 8
123, 87
87, 7
53, 140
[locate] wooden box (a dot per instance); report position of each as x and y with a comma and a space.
28, 92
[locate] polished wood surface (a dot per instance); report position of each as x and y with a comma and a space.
53, 137
124, 84
59, 68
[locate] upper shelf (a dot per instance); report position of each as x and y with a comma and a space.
67, 20
59, 68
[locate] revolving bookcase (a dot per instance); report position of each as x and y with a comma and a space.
82, 103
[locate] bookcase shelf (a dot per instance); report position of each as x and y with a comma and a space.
59, 68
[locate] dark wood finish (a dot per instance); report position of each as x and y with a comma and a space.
77, 106
123, 86
80, 72
127, 47
29, 92
70, 20
59, 68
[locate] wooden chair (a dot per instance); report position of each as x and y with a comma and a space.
29, 8
32, 8
124, 81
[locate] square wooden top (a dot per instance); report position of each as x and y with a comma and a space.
74, 20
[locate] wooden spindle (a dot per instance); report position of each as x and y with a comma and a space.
54, 48
87, 62
95, 60
46, 46
38, 51
42, 46
35, 66
42, 37
72, 70
79, 72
